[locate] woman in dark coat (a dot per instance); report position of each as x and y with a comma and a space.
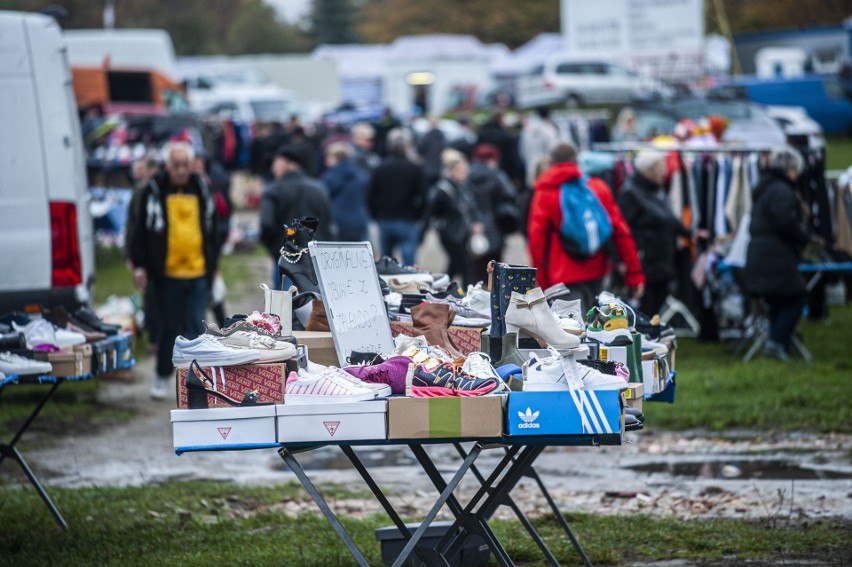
777, 238
452, 211
654, 226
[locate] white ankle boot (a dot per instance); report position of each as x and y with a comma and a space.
529, 313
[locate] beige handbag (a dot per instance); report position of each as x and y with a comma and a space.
280, 303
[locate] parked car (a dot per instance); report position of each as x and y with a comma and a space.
46, 241
822, 96
747, 122
578, 81
794, 120
256, 104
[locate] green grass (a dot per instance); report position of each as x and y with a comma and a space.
717, 391
203, 523
839, 152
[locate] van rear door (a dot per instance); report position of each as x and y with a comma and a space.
25, 251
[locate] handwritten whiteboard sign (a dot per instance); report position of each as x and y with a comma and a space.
352, 296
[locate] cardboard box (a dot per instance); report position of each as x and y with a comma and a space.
634, 395
615, 353
122, 356
652, 377
467, 339
351, 421
446, 418
69, 362
577, 412
234, 381
224, 427
320, 346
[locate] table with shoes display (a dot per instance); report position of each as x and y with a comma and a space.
546, 373
51, 348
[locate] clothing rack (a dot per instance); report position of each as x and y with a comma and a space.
624, 147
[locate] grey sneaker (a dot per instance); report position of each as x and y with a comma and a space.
216, 331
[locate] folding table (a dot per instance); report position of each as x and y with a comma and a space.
10, 449
519, 455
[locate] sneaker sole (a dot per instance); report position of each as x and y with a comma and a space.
611, 338
236, 359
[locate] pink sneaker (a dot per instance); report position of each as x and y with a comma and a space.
391, 372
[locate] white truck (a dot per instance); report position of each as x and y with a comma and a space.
46, 240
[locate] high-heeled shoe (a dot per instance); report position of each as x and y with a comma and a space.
196, 392
295, 260
529, 313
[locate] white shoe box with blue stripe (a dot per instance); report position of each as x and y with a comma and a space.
577, 412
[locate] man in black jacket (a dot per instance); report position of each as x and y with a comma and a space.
292, 194
174, 246
397, 197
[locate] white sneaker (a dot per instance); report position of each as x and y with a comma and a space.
596, 380
16, 365
402, 343
268, 348
160, 388
440, 282
210, 352
477, 299
43, 332
380, 390
479, 364
544, 375
569, 315
326, 388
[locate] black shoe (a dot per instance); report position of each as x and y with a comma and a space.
88, 319
453, 290
295, 260
602, 366
632, 424
12, 340
387, 266
635, 413
365, 358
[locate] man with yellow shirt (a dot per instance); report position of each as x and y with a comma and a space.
174, 246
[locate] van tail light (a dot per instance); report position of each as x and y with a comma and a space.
66, 269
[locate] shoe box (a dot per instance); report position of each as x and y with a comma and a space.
299, 423
634, 395
448, 417
655, 374
224, 427
467, 339
320, 346
234, 381
577, 412
76, 361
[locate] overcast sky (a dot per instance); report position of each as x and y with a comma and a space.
290, 10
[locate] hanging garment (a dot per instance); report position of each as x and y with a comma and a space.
692, 185
738, 202
723, 178
843, 240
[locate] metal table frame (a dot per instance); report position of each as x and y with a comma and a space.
472, 519
10, 449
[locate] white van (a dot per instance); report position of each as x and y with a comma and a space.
576, 81
46, 242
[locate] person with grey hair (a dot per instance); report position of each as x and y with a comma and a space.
174, 246
777, 240
347, 185
452, 210
396, 198
654, 226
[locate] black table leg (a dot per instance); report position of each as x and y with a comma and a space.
509, 501
445, 495
9, 450
323, 506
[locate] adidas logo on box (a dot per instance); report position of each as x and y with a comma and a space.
528, 419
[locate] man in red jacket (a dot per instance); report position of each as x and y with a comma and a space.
584, 276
